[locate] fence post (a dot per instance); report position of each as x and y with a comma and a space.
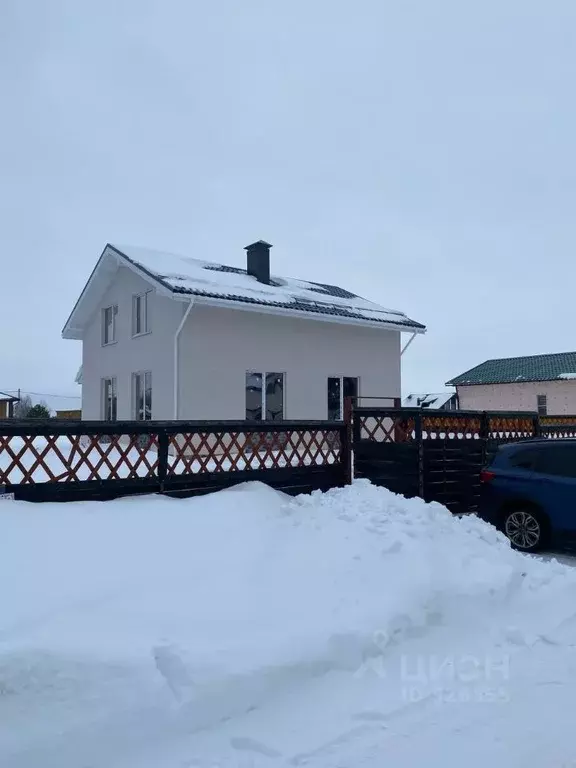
347, 446
484, 435
536, 426
420, 443
162, 458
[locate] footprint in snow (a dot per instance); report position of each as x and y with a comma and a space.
170, 665
246, 744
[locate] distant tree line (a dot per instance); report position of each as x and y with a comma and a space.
25, 409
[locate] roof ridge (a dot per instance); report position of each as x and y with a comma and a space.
525, 357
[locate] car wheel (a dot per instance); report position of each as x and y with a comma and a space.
525, 528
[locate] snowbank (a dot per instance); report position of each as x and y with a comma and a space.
153, 618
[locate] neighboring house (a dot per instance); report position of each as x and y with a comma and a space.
543, 383
443, 401
7, 402
168, 337
69, 414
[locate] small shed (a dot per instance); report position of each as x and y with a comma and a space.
439, 401
7, 402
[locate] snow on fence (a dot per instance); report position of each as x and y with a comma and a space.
100, 459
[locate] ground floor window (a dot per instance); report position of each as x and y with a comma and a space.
340, 387
264, 396
142, 395
109, 399
542, 403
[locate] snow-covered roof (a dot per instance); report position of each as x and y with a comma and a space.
508, 370
219, 284
433, 401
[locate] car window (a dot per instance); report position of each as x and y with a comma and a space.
525, 459
559, 460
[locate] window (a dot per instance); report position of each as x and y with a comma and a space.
542, 405
142, 395
559, 460
524, 458
340, 387
109, 399
140, 314
264, 396
109, 324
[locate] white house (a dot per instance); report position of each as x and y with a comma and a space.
170, 337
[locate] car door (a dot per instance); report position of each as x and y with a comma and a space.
555, 479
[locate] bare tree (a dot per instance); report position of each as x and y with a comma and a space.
22, 407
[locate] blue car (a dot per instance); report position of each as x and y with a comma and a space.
529, 492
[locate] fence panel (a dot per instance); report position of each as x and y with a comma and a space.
558, 427
69, 461
386, 448
437, 455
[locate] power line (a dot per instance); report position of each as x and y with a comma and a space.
43, 394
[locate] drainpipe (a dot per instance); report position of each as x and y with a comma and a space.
176, 367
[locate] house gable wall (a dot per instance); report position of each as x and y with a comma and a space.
521, 396
151, 352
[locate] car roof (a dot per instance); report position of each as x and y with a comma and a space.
538, 442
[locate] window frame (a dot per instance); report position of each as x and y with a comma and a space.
104, 397
263, 403
341, 408
542, 408
546, 456
525, 458
142, 297
135, 407
113, 308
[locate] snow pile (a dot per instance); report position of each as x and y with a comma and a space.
146, 620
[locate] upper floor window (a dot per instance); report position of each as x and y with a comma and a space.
542, 402
109, 399
109, 324
140, 314
264, 396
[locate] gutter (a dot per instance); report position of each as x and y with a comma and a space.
176, 366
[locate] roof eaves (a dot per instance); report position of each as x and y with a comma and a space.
67, 327
283, 308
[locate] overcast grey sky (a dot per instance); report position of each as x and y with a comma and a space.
418, 152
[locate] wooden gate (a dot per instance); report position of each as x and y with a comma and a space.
436, 456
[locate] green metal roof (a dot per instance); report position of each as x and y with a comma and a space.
512, 370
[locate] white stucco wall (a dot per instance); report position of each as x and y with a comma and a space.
152, 352
218, 346
561, 396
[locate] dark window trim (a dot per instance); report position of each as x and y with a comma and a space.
341, 379
263, 394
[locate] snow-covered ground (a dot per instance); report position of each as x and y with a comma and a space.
352, 629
